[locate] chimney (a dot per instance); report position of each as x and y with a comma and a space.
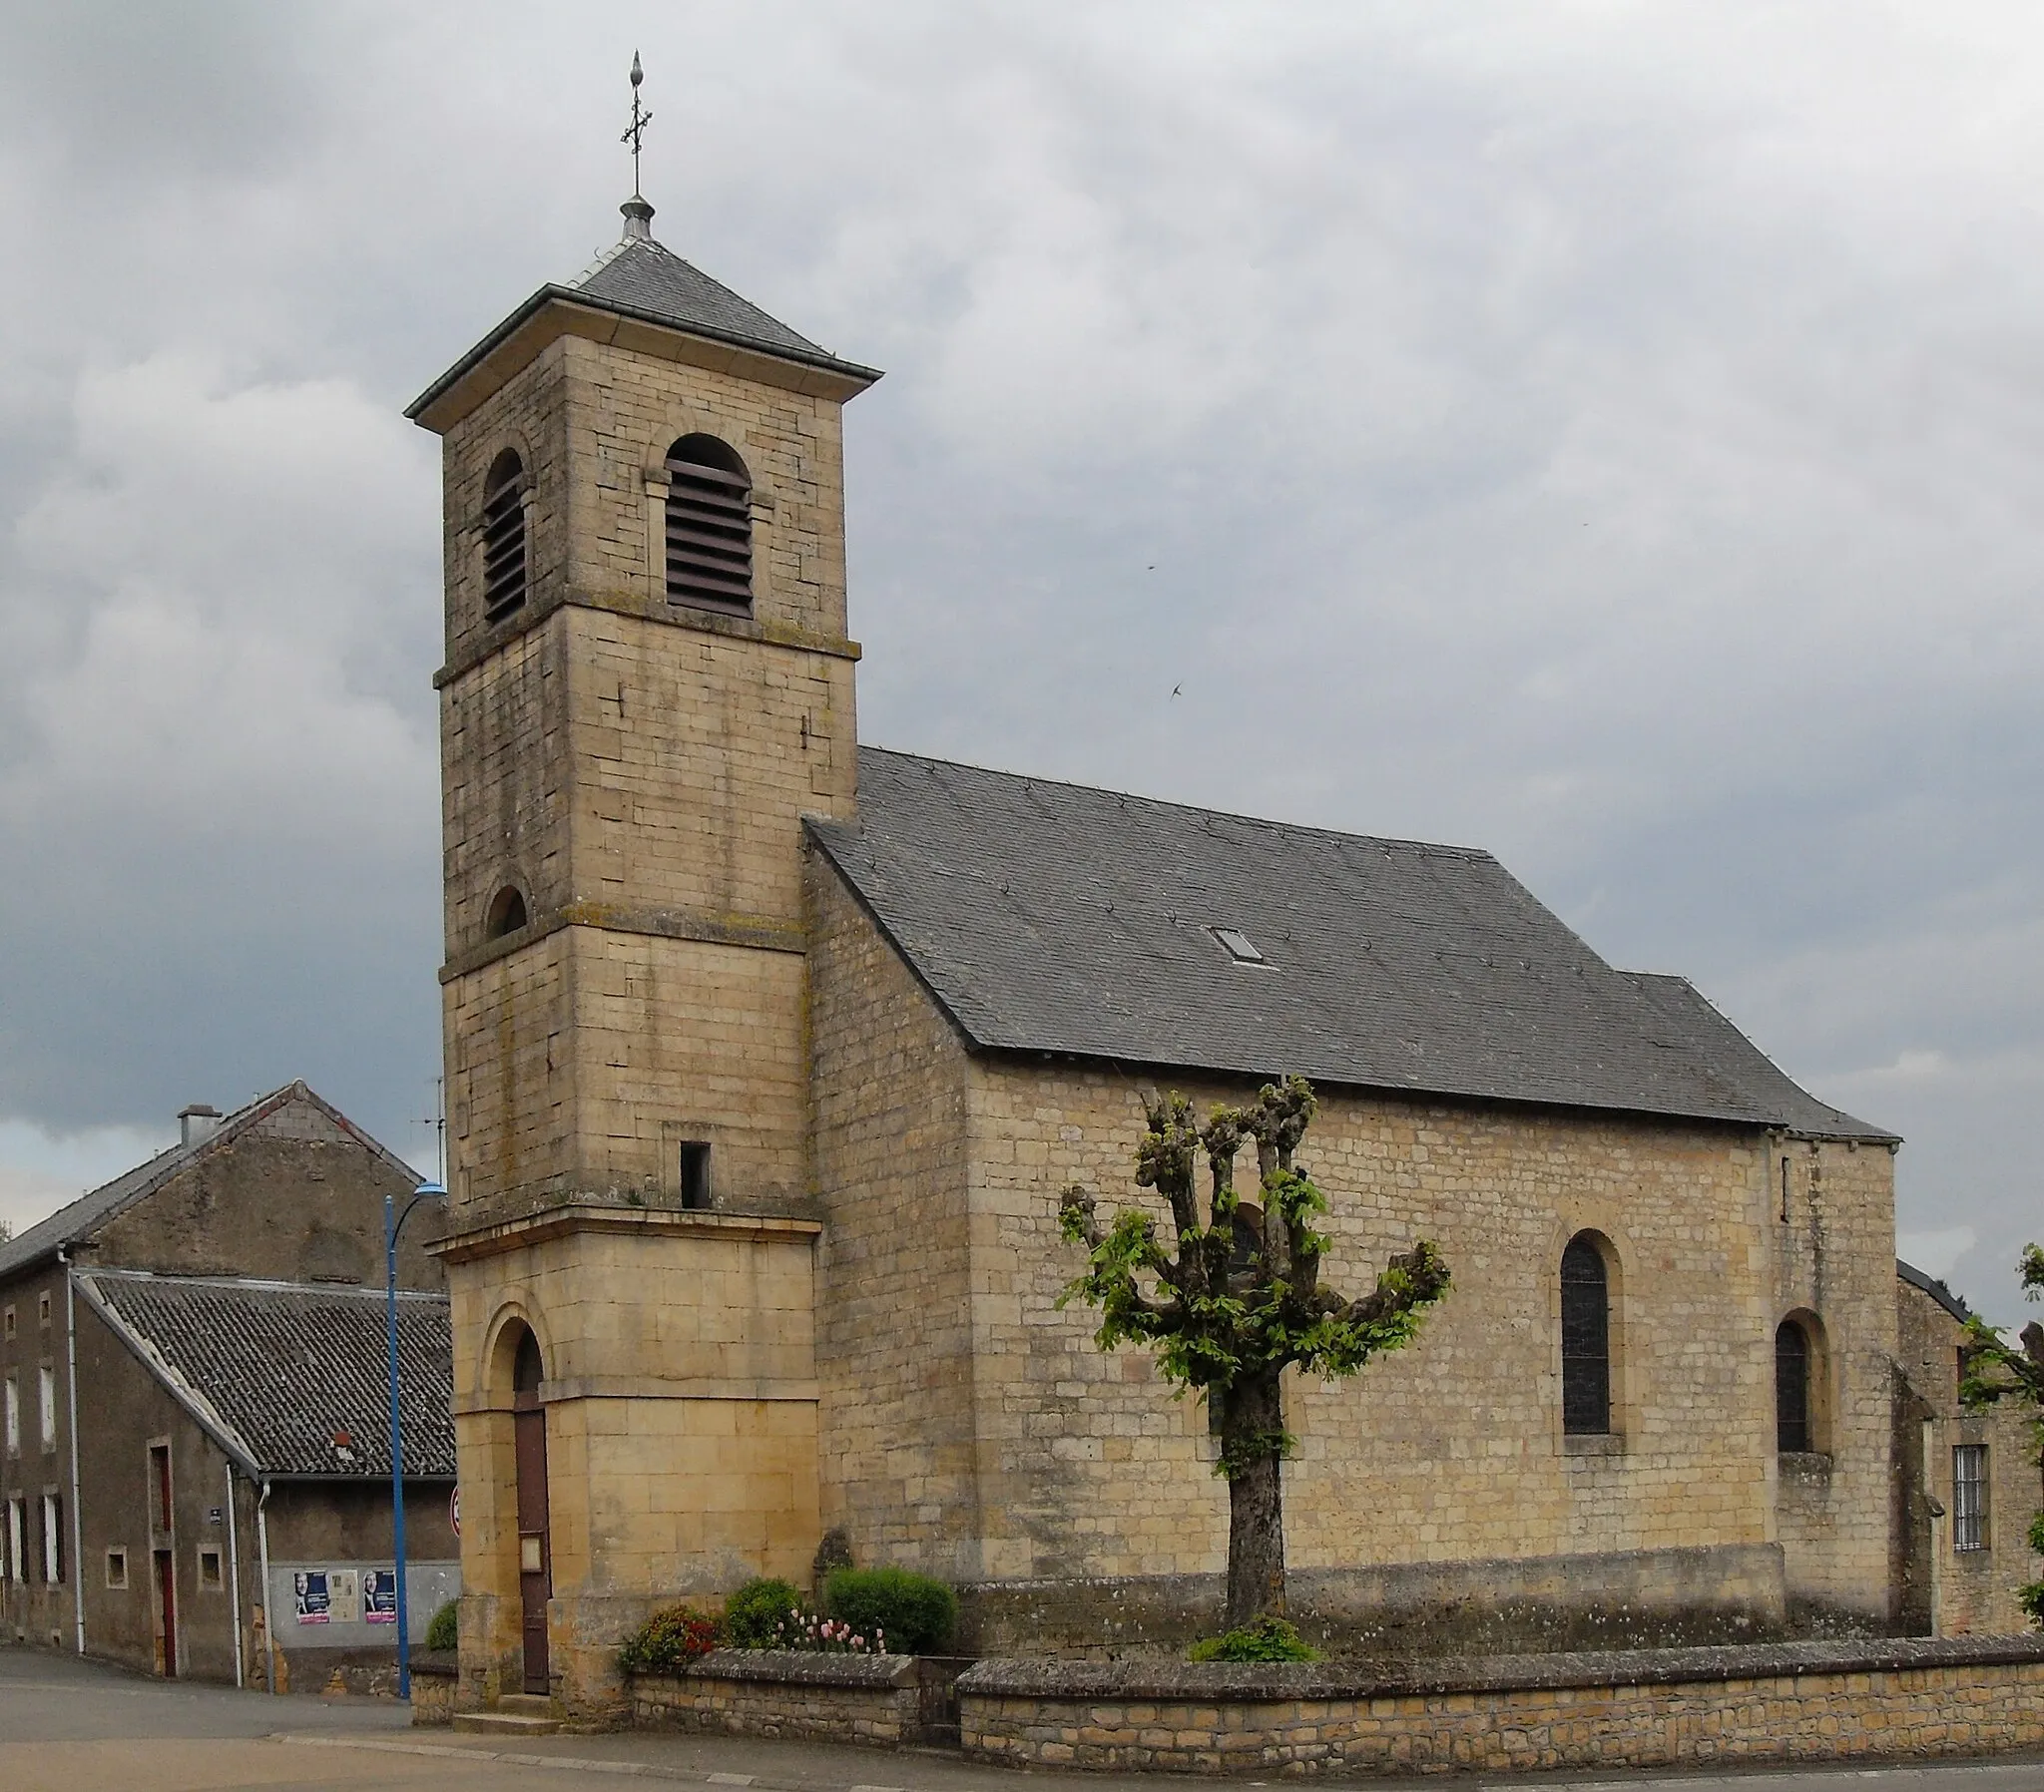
196, 1122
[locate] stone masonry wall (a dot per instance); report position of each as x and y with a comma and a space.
752, 1692
1687, 1708
894, 1344
1454, 1447
1830, 1229
680, 1424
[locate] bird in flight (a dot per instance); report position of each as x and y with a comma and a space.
1178, 691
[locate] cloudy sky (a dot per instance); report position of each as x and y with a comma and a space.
1608, 433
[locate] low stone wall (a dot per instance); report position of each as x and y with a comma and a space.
773, 1693
1812, 1702
434, 1678
1612, 1600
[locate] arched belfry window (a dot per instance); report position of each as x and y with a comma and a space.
1792, 1428
1585, 1339
503, 537
507, 913
709, 525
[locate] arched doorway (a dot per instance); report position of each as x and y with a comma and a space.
535, 1554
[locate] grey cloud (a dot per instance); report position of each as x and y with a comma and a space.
1612, 437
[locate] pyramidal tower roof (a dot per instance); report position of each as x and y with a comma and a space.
639, 281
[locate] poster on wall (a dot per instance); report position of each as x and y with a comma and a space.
345, 1595
379, 1595
309, 1586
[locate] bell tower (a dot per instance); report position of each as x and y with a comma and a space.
646, 683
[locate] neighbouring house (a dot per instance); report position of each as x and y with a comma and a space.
767, 1054
1967, 1482
193, 1370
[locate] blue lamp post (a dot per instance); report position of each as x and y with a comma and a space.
393, 1224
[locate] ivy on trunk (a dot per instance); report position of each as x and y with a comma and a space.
1241, 1301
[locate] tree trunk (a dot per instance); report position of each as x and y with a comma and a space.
1251, 1436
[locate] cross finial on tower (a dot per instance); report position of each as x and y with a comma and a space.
641, 118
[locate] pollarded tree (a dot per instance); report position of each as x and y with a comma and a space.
1241, 1301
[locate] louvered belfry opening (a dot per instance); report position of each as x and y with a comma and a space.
1585, 1340
709, 525
503, 537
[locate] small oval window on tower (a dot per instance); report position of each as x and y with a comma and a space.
507, 913
709, 525
504, 538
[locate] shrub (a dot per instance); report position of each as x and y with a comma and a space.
443, 1632
2031, 1598
1267, 1640
668, 1640
754, 1614
915, 1613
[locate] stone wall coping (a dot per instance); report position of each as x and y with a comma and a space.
436, 1663
797, 1667
1260, 1681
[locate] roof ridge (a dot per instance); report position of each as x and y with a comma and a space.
1169, 802
259, 1284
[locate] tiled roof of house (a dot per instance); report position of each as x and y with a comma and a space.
81, 1218
292, 1377
1053, 918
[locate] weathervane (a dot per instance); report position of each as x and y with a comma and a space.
641, 118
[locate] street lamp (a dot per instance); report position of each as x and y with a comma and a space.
393, 1224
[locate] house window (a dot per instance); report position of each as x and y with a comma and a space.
47, 1381
504, 538
1791, 1387
17, 1540
1585, 1340
13, 1414
695, 1175
709, 525
52, 1539
1970, 1497
116, 1570
43, 1311
208, 1571
8, 1324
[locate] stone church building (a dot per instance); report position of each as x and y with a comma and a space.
768, 1054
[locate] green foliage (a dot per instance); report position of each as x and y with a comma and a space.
1212, 1320
444, 1631
753, 1615
1270, 1638
906, 1614
668, 1641
2030, 1597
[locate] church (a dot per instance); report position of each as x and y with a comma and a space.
768, 1054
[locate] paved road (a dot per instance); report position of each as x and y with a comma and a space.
72, 1726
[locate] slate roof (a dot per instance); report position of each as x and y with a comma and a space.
275, 1369
77, 1221
1936, 1288
644, 279
1053, 918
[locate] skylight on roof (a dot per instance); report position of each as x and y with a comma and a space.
1238, 946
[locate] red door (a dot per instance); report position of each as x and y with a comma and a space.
165, 1583
535, 1566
